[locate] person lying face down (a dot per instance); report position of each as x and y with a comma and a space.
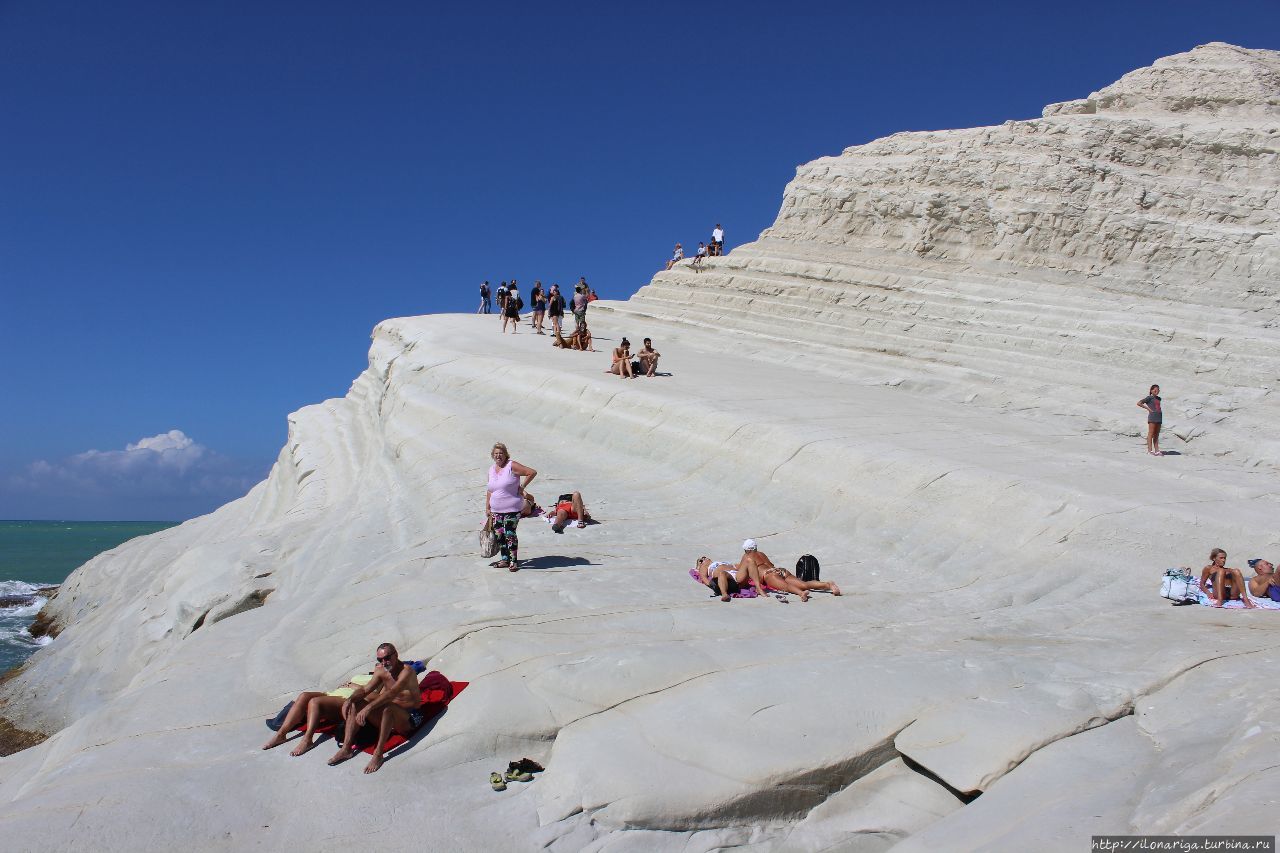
391, 701
569, 507
768, 576
1228, 583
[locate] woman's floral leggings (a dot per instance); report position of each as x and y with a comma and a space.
504, 530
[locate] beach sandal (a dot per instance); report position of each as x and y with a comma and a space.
514, 567
781, 597
516, 775
558, 528
496, 783
501, 564
581, 524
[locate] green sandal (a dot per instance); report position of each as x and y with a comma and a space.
495, 782
517, 775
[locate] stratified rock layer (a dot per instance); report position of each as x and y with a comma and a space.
924, 373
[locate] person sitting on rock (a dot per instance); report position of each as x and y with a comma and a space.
648, 357
698, 258
531, 507
676, 256
1264, 579
569, 507
580, 339
315, 707
391, 701
769, 576
1227, 583
622, 361
721, 577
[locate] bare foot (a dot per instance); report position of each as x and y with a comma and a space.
274, 742
340, 756
303, 748
804, 596
724, 598
1248, 605
374, 764
835, 590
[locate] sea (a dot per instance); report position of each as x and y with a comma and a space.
38, 554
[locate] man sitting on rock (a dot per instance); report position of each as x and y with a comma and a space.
768, 576
648, 357
391, 701
1264, 583
568, 508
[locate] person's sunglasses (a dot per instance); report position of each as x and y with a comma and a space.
385, 660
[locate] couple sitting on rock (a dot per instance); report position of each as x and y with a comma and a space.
755, 567
1223, 583
391, 700
579, 340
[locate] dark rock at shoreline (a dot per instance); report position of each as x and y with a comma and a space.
17, 600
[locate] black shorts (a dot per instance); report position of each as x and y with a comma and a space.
733, 585
513, 313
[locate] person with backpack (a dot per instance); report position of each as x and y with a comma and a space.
769, 576
512, 312
484, 299
502, 299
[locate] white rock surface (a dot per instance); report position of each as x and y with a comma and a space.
924, 373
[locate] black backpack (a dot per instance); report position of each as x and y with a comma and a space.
519, 303
807, 568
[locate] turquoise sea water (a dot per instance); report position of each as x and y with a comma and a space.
42, 553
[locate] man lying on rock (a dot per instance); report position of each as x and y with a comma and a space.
569, 507
768, 576
391, 701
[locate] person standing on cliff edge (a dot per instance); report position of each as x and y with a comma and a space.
485, 304
717, 240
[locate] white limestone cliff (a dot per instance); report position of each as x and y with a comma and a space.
924, 372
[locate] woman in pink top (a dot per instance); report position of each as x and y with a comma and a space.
503, 502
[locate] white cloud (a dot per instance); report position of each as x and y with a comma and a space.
169, 469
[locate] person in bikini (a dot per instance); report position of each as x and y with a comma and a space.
760, 567
622, 360
720, 577
1228, 583
391, 701
569, 507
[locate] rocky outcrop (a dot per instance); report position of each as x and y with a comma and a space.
923, 373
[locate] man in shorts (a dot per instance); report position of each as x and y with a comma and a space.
391, 701
568, 508
580, 300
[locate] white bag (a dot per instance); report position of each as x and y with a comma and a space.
1178, 585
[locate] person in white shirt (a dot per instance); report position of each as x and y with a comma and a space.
676, 256
717, 240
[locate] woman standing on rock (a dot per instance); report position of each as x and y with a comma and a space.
539, 300
1155, 418
503, 502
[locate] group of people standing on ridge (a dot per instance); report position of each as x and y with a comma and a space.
705, 250
543, 303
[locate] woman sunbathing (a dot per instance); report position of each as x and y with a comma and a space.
1228, 583
720, 577
762, 569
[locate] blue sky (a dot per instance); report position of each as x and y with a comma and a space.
205, 208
